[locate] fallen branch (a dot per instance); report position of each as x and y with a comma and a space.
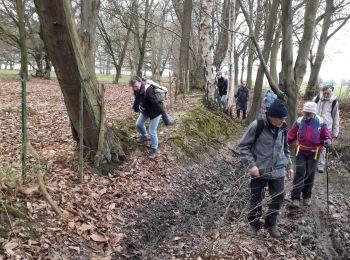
40, 178
12, 211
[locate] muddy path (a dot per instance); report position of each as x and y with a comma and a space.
205, 217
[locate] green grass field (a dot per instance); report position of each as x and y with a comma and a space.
100, 77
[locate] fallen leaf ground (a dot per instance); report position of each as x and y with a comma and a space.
149, 209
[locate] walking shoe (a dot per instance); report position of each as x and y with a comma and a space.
142, 139
274, 232
296, 203
320, 169
254, 230
153, 153
307, 202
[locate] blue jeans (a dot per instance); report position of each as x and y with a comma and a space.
304, 176
140, 124
257, 193
223, 99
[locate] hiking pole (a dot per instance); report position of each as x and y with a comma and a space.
327, 151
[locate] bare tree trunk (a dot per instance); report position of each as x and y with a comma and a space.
305, 45
58, 27
47, 73
312, 85
185, 43
210, 93
268, 38
89, 14
274, 53
220, 52
287, 60
243, 64
22, 37
231, 54
257, 28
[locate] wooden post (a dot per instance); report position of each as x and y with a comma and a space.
81, 135
24, 128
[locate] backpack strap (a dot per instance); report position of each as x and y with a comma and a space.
334, 102
259, 128
317, 99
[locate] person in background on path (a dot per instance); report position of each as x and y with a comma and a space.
269, 98
242, 97
310, 132
150, 108
222, 87
328, 109
264, 150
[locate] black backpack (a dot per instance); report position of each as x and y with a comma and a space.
334, 102
260, 128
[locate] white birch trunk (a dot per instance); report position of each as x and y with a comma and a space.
231, 48
210, 92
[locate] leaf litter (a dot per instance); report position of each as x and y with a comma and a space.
145, 208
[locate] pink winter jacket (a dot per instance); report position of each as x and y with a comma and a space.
311, 134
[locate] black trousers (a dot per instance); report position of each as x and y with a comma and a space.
276, 190
244, 113
304, 176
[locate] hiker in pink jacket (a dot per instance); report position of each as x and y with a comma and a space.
311, 135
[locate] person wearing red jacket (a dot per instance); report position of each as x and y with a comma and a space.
310, 135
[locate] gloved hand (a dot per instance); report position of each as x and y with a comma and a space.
165, 119
326, 143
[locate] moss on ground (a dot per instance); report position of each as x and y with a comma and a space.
124, 130
202, 130
10, 110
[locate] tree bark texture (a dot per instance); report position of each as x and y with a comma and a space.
305, 44
268, 38
62, 43
274, 53
287, 60
257, 27
312, 85
89, 14
222, 44
22, 37
232, 61
185, 43
210, 92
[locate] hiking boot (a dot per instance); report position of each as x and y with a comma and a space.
142, 139
254, 230
307, 202
274, 232
296, 204
153, 153
320, 169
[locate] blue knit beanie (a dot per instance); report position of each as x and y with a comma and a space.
277, 109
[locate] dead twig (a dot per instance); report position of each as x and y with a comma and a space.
41, 182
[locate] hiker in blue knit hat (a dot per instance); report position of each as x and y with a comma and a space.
264, 150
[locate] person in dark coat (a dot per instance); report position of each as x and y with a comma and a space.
222, 87
242, 97
150, 108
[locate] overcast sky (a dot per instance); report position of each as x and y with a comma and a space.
336, 64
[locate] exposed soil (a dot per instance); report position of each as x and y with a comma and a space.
156, 209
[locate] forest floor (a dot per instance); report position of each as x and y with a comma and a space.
168, 208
